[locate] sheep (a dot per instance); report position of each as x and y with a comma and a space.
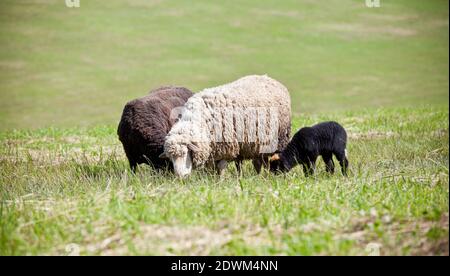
249, 118
308, 143
145, 123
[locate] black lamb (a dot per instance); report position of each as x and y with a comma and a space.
145, 123
308, 143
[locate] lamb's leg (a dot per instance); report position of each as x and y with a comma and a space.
306, 169
221, 166
329, 164
312, 168
309, 166
341, 156
133, 166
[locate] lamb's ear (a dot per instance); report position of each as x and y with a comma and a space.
274, 157
163, 156
193, 147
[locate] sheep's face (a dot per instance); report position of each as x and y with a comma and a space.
276, 164
182, 161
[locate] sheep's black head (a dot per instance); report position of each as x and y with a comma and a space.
277, 164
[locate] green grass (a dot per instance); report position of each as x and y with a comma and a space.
61, 187
65, 75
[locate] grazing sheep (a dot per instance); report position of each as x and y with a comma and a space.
249, 118
308, 143
145, 123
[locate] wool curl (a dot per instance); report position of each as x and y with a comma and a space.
245, 96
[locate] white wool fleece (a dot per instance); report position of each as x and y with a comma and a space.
211, 133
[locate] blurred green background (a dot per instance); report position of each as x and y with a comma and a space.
64, 66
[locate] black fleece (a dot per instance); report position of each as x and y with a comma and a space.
324, 139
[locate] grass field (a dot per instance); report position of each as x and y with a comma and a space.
77, 67
73, 186
65, 75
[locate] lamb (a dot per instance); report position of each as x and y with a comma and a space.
145, 123
249, 118
308, 143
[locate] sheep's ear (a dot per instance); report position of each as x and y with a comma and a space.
193, 147
163, 156
274, 157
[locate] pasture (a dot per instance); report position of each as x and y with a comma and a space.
66, 73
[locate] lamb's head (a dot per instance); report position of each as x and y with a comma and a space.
277, 164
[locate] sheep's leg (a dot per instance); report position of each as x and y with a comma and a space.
329, 164
343, 161
257, 164
265, 162
131, 159
221, 166
238, 164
